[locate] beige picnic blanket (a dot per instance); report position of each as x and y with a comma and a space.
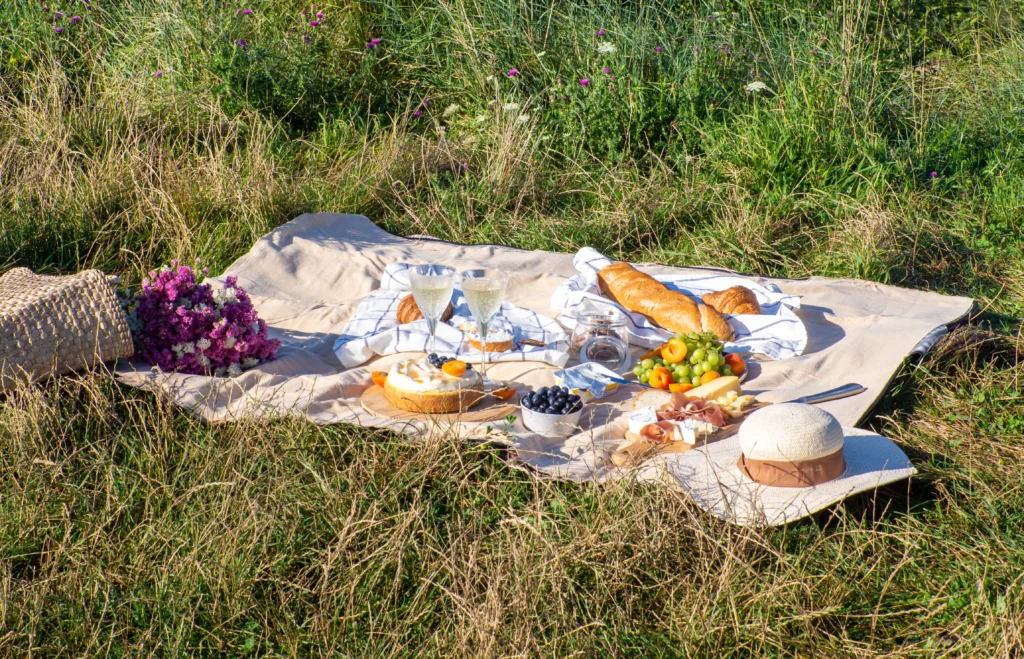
307, 277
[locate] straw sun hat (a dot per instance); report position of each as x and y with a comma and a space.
787, 461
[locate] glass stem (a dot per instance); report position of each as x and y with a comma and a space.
483, 350
432, 324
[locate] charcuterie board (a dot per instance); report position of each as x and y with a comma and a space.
490, 408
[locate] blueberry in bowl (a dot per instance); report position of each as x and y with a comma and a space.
552, 411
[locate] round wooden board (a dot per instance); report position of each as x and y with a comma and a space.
489, 409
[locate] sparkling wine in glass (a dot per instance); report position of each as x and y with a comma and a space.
484, 290
432, 287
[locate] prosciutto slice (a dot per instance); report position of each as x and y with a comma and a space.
698, 409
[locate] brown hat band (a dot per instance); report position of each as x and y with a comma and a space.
802, 473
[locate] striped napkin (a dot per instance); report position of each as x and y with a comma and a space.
374, 330
777, 332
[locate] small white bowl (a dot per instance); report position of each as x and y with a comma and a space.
555, 426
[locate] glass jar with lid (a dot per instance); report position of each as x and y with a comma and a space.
600, 336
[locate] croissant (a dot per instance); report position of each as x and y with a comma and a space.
673, 310
733, 301
409, 312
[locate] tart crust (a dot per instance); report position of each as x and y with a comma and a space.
433, 402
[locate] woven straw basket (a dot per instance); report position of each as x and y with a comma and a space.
52, 325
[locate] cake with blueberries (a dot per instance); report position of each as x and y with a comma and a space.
433, 385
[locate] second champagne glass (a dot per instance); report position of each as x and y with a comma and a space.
484, 290
432, 287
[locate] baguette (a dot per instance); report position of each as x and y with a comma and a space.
670, 309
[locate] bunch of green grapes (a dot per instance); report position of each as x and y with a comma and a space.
703, 354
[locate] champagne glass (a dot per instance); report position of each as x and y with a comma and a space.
432, 287
484, 290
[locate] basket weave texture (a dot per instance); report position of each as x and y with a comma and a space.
51, 325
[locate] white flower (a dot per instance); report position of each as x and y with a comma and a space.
450, 110
203, 343
757, 86
250, 362
511, 107
606, 48
225, 295
204, 360
489, 78
220, 371
522, 119
189, 348
177, 349
229, 342
234, 370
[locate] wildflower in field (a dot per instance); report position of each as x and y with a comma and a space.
657, 49
757, 86
600, 33
418, 113
314, 23
307, 38
425, 102
933, 174
59, 14
158, 74
75, 19
451, 110
465, 166
511, 107
606, 48
606, 70
241, 43
319, 14
513, 73
373, 43
243, 12
522, 119
696, 49
584, 82
58, 29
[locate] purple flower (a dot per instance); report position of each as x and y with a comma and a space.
59, 14
418, 113
58, 29
75, 19
600, 33
426, 102
319, 14
696, 49
513, 72
584, 82
465, 166
314, 23
307, 38
158, 74
607, 70
181, 325
657, 49
933, 174
375, 41
241, 43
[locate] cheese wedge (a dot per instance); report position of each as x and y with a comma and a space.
716, 388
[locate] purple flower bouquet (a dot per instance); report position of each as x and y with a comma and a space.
189, 327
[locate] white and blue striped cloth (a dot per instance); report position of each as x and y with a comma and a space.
374, 329
777, 332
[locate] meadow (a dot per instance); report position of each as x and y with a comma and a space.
877, 139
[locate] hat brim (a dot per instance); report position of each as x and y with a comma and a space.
710, 476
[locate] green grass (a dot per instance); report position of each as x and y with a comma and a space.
128, 528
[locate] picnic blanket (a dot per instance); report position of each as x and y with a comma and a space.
308, 278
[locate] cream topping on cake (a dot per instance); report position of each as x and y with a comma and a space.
494, 334
421, 375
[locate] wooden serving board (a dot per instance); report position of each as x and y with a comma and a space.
490, 408
640, 449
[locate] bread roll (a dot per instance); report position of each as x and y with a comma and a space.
733, 301
408, 311
670, 309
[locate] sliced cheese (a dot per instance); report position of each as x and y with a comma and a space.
716, 388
